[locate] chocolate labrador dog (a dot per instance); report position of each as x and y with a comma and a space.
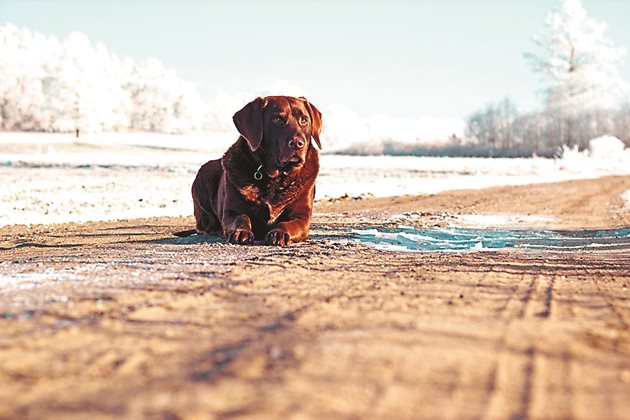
263, 187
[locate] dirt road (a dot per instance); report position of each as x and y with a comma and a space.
121, 319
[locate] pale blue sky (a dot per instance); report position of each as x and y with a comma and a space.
399, 58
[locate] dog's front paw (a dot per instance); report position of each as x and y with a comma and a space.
241, 237
278, 237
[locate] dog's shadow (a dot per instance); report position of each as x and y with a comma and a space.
193, 239
196, 239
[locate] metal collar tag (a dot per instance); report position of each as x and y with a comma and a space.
258, 175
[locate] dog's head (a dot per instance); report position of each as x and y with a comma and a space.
282, 128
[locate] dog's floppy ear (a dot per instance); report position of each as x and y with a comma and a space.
249, 122
316, 120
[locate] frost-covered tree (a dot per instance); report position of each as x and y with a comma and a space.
88, 87
20, 78
160, 100
579, 64
48, 85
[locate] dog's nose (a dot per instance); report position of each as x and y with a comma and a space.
296, 143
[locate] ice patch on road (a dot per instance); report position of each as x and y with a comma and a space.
453, 239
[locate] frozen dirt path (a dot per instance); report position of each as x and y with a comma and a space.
120, 319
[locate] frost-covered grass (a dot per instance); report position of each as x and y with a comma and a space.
49, 178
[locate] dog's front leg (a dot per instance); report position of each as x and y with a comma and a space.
295, 222
285, 233
238, 229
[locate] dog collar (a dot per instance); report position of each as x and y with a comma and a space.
258, 175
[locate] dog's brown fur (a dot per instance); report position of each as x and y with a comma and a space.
276, 134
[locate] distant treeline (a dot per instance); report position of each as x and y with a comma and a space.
451, 149
500, 130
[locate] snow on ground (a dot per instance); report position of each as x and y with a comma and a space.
49, 178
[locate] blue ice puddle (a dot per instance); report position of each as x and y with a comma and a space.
406, 238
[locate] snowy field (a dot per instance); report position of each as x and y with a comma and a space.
49, 178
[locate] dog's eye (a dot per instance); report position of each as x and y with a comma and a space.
277, 120
303, 120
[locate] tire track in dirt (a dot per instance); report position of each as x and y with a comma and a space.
526, 370
493, 376
513, 375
